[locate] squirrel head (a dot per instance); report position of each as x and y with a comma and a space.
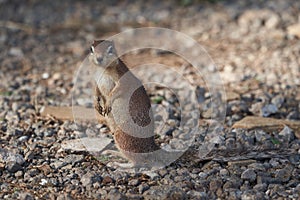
103, 53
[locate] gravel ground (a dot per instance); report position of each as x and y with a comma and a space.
256, 46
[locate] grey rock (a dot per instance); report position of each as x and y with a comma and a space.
162, 172
200, 92
284, 175
32, 172
297, 188
15, 51
215, 184
90, 132
224, 172
197, 195
268, 109
274, 162
167, 192
29, 155
257, 167
260, 187
235, 194
217, 139
87, 179
13, 161
278, 101
15, 132
178, 179
23, 138
53, 181
202, 175
45, 75
287, 134
64, 197
96, 185
3, 38
260, 135
25, 196
172, 122
256, 108
19, 174
115, 194
14, 106
58, 164
248, 195
49, 133
293, 115
249, 174
294, 30
5, 186
177, 144
56, 76
176, 193
143, 187
264, 179
272, 21
294, 159
230, 143
73, 158
274, 189
153, 175
43, 181
134, 182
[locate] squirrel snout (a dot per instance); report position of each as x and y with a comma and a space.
99, 59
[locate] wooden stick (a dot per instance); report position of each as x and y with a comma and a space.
71, 113
269, 124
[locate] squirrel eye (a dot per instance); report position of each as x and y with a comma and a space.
110, 50
92, 49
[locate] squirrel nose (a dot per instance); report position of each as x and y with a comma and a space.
100, 59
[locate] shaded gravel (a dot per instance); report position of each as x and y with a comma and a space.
43, 43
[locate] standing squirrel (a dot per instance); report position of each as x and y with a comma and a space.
122, 100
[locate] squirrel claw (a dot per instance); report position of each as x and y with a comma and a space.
107, 110
99, 108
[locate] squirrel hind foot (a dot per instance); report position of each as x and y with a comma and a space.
132, 168
121, 165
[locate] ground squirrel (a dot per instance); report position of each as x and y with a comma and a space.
122, 99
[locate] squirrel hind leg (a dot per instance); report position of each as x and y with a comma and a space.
118, 164
125, 165
113, 152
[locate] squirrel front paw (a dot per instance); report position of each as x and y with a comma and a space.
98, 107
107, 110
101, 109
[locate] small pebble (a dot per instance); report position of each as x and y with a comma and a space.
23, 138
249, 174
19, 174
202, 175
134, 182
15, 51
224, 172
45, 75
